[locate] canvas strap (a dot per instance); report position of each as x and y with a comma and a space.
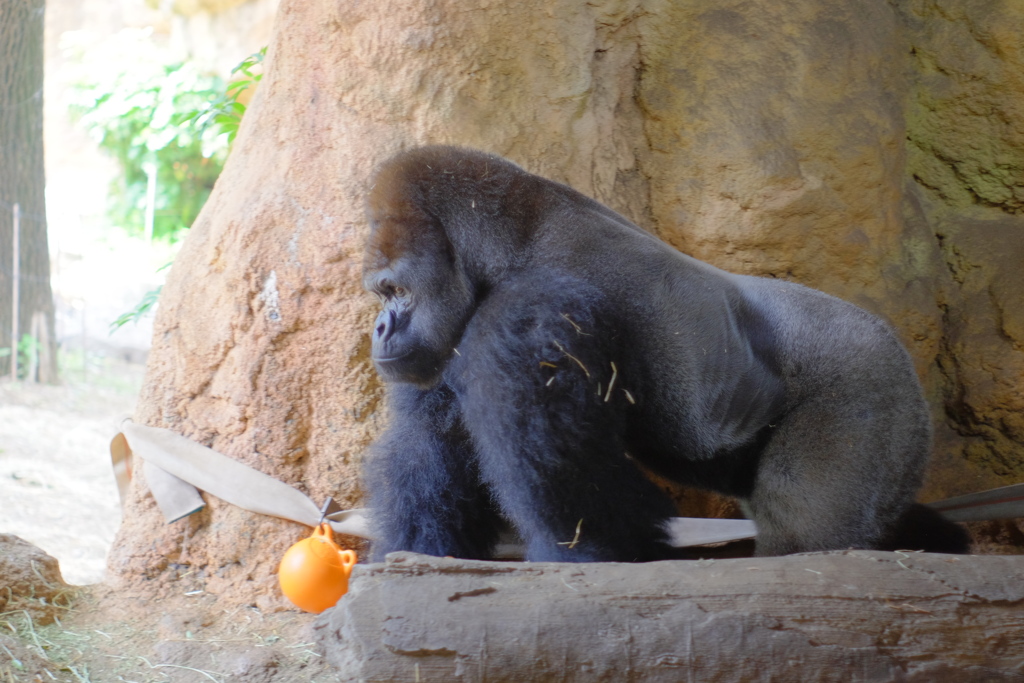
177, 468
1006, 502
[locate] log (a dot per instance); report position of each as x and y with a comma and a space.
839, 616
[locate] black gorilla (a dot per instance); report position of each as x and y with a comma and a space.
535, 344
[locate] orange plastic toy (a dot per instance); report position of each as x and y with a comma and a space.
314, 572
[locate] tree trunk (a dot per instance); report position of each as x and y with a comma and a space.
22, 182
848, 616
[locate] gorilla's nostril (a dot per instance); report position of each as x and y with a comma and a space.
380, 329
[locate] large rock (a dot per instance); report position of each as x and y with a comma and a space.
966, 110
260, 346
965, 151
30, 580
766, 138
775, 141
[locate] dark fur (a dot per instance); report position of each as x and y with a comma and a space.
805, 407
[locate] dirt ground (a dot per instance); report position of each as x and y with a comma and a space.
107, 636
57, 491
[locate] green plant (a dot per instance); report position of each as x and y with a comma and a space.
226, 111
137, 103
145, 305
147, 302
28, 347
217, 118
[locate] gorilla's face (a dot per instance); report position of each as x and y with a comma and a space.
426, 303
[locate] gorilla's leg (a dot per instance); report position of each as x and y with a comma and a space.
425, 491
548, 430
839, 471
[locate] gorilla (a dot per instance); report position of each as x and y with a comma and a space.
537, 347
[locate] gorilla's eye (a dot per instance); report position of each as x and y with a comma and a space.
387, 290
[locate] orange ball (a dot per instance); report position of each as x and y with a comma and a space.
314, 572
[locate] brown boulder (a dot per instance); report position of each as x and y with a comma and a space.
30, 580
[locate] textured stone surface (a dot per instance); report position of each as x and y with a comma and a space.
855, 615
776, 139
260, 348
766, 138
30, 580
966, 113
965, 131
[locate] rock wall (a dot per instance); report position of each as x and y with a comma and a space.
965, 155
803, 139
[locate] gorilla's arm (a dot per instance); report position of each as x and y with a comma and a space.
425, 491
548, 424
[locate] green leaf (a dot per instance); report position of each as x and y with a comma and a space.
149, 299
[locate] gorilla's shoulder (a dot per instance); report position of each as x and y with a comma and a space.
541, 293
